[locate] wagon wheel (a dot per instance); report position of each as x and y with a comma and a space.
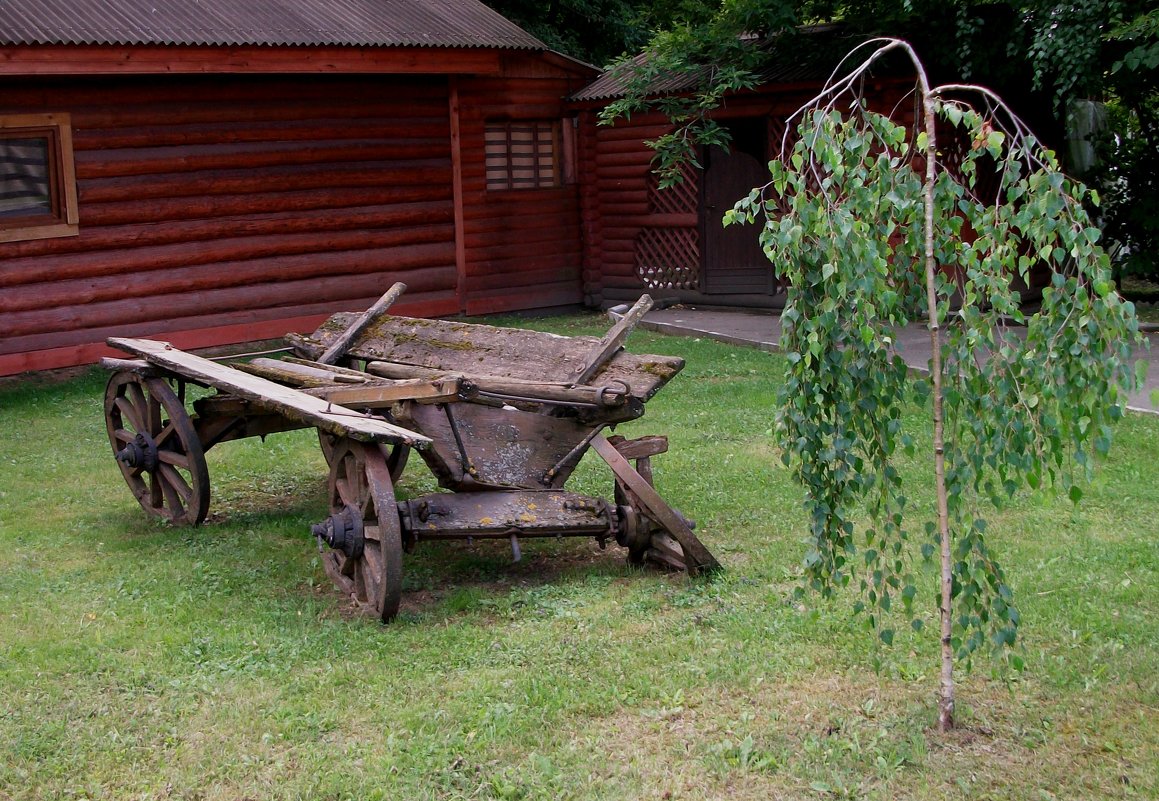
363, 530
156, 446
395, 459
645, 538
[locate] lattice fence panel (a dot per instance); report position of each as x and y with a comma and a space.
683, 198
668, 258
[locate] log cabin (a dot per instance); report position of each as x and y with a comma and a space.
218, 172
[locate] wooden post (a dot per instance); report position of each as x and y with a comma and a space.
612, 341
339, 347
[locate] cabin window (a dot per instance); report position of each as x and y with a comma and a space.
37, 180
522, 155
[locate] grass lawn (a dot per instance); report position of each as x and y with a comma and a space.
140, 661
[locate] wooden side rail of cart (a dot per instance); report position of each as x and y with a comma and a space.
500, 416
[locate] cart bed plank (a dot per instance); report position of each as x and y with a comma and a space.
471, 349
268, 395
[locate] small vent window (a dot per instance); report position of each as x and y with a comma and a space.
522, 155
37, 181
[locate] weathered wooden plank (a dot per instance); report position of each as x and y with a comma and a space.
501, 447
612, 341
270, 396
511, 388
343, 341
471, 349
295, 375
383, 394
697, 558
536, 513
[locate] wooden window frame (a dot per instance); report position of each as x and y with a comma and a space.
504, 174
63, 218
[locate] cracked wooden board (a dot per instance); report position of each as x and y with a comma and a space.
270, 396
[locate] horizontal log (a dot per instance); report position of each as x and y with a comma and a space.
618, 147
125, 162
81, 346
143, 212
629, 173
534, 224
263, 264
545, 296
641, 159
16, 267
510, 255
286, 177
512, 107
636, 131
516, 202
672, 220
348, 276
524, 279
633, 203
514, 267
164, 132
548, 84
76, 278
346, 95
274, 59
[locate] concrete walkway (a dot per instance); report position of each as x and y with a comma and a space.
763, 330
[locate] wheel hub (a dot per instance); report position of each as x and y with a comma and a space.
139, 454
343, 531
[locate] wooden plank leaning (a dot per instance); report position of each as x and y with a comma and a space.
269, 396
612, 341
697, 558
342, 344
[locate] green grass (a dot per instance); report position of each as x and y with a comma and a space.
139, 661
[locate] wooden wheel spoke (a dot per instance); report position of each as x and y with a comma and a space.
347, 567
156, 490
154, 415
164, 434
174, 458
172, 478
173, 499
124, 435
135, 395
128, 410
344, 493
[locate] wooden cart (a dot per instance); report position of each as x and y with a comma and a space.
500, 416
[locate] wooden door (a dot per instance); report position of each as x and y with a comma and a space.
733, 263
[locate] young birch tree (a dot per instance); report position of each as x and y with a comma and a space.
871, 231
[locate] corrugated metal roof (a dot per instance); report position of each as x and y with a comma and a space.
356, 23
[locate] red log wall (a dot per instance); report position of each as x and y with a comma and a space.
224, 209
218, 210
523, 246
